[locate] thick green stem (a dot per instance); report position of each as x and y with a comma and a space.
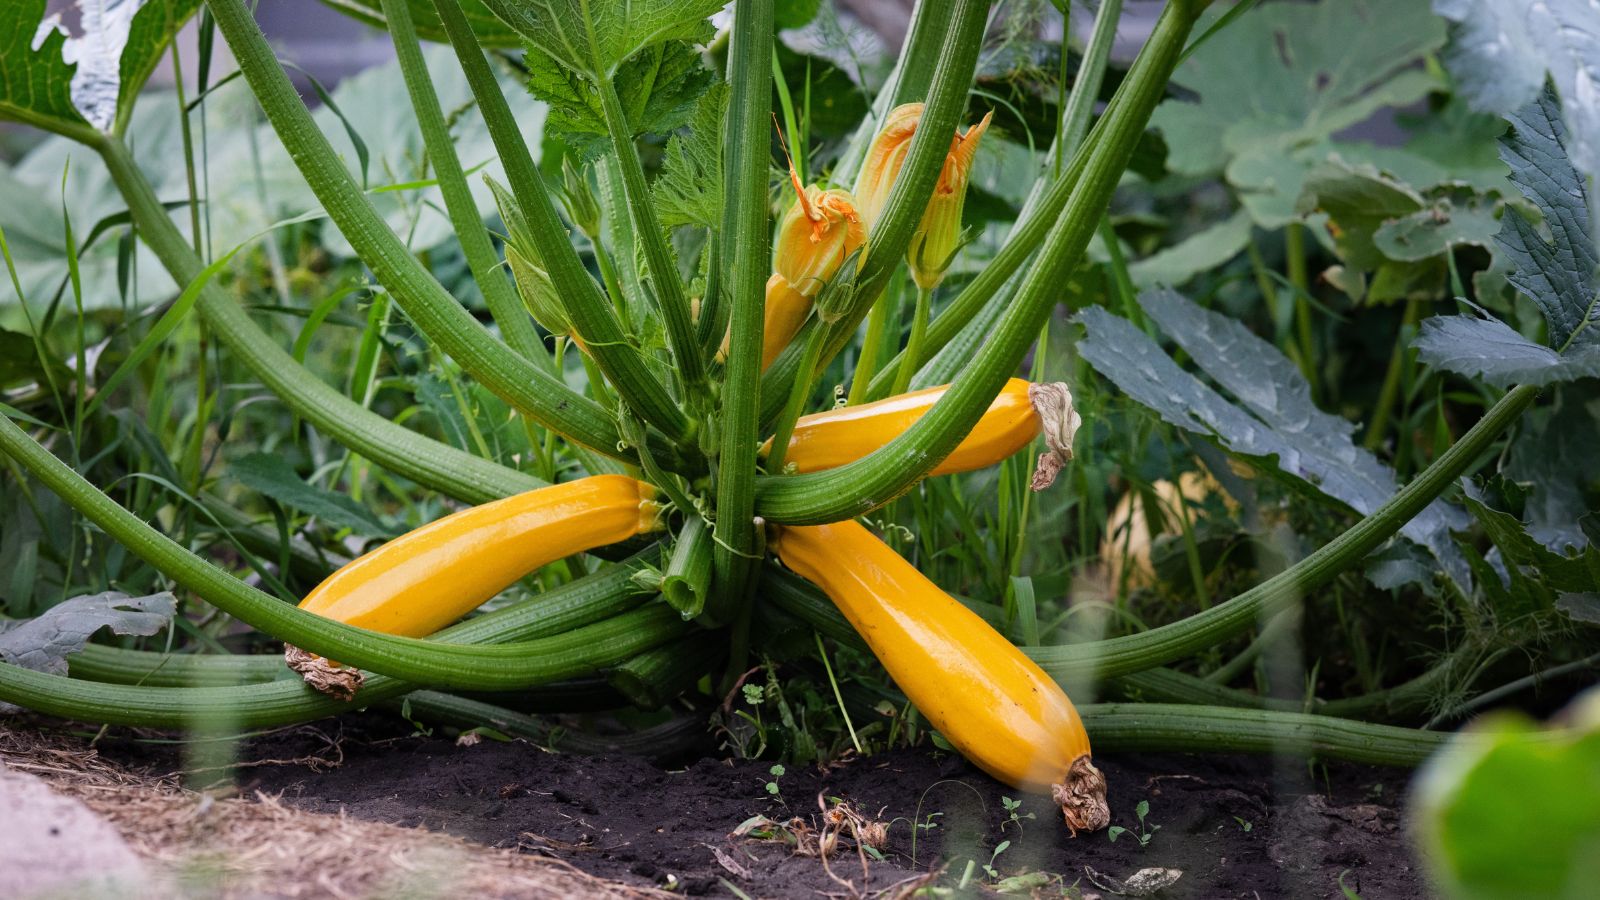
1403, 701
749, 232
1274, 628
605, 594
660, 270
1091, 72
879, 477
654, 679
914, 350
482, 259
533, 391
428, 462
504, 667
1140, 727
686, 581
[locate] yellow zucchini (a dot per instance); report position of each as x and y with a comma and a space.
427, 578
830, 439
988, 699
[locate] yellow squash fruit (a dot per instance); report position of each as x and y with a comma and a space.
1022, 410
427, 578
988, 699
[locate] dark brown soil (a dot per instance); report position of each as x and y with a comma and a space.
1237, 826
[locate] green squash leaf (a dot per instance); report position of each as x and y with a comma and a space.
594, 38
1501, 50
63, 82
1288, 74
689, 191
1274, 421
1552, 462
1557, 273
658, 89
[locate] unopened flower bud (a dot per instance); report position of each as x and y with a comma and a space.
579, 200
938, 235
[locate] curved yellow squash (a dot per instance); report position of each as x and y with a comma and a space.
425, 579
829, 439
989, 700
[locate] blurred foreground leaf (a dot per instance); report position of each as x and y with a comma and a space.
1500, 816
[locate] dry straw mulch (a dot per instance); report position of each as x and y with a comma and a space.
202, 845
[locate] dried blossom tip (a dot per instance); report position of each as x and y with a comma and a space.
1059, 423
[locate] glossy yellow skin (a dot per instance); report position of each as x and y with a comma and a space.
830, 439
425, 579
995, 705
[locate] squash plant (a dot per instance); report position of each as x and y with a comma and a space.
692, 423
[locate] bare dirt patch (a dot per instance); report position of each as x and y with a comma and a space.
1237, 826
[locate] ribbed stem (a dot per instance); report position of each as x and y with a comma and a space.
482, 259
428, 462
1140, 727
502, 667
605, 594
687, 579
748, 231
878, 478
652, 680
536, 393
661, 272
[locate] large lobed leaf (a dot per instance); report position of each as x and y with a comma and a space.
1553, 461
1501, 50
658, 88
1278, 421
1291, 74
58, 81
1557, 273
593, 38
